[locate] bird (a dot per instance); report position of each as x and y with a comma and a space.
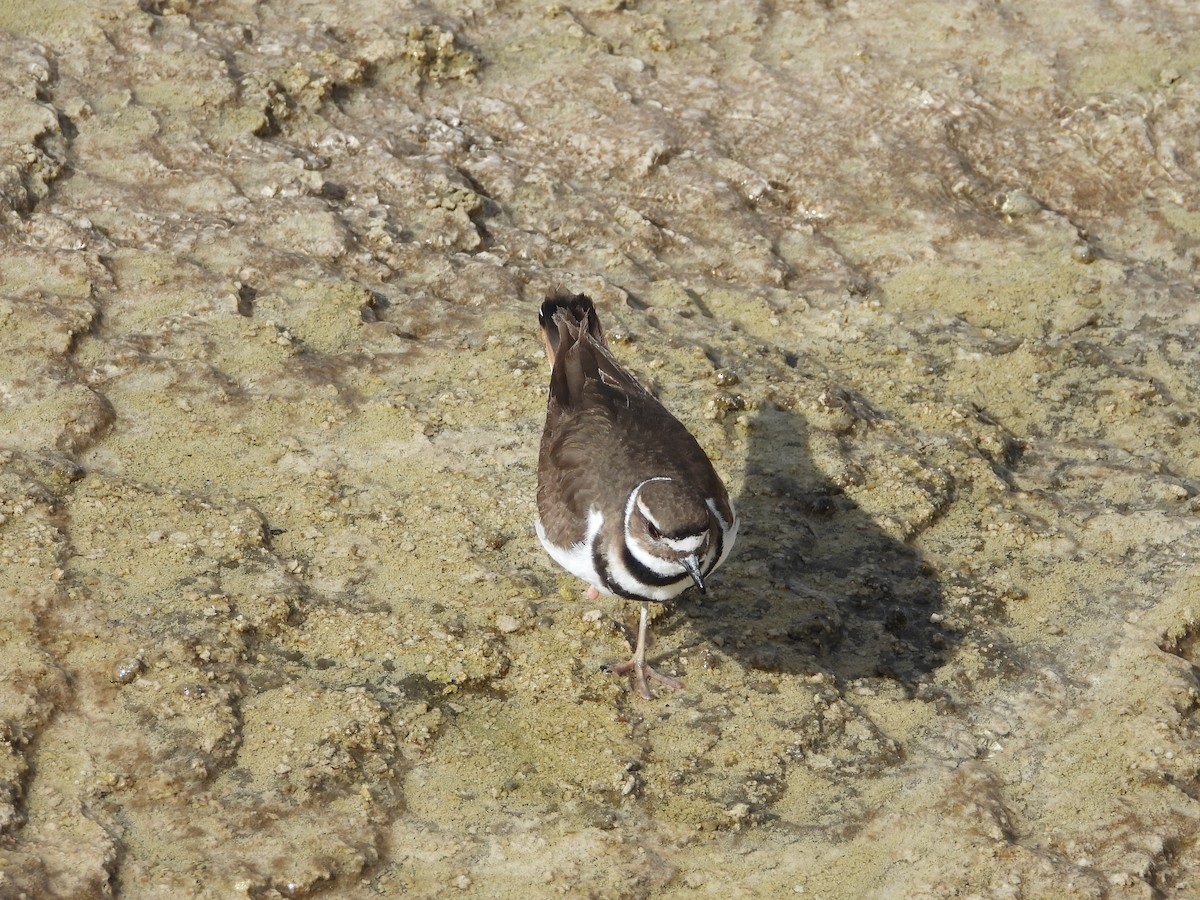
627, 500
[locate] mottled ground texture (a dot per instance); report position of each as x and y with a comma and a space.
922, 277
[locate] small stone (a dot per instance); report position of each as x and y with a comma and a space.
1083, 253
129, 669
725, 377
507, 624
1018, 203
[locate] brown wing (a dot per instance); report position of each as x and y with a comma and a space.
583, 392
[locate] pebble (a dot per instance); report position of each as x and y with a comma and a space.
1083, 253
725, 377
1018, 203
129, 669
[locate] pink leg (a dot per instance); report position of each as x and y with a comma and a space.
640, 668
592, 594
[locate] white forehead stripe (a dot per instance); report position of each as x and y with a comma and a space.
689, 544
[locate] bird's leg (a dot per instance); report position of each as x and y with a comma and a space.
592, 594
639, 667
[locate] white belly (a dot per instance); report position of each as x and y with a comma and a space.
577, 558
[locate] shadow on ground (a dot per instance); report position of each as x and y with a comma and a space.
814, 585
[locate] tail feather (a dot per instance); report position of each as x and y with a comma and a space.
579, 354
561, 317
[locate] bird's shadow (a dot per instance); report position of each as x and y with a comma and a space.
814, 584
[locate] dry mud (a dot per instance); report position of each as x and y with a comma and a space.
923, 279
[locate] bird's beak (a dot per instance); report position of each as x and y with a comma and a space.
693, 568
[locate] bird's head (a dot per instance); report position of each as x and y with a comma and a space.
669, 528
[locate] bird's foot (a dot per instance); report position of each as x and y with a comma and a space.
592, 594
643, 671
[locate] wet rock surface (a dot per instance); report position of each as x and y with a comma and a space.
273, 618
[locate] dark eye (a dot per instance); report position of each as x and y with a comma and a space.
655, 534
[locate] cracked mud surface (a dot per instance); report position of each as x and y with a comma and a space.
273, 619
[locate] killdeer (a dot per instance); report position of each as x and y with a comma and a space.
626, 498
